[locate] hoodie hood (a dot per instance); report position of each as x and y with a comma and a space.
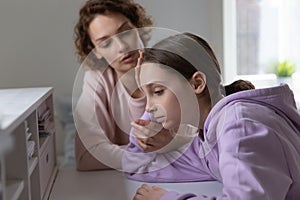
279, 98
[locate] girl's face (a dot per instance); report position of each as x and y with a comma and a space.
115, 41
170, 98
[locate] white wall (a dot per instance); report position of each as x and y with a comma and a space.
36, 36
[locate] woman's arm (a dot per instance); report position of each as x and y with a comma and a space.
85, 161
96, 132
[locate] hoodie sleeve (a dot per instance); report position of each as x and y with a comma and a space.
251, 162
173, 166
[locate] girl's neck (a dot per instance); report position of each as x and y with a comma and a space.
205, 106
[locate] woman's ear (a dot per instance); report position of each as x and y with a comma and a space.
198, 82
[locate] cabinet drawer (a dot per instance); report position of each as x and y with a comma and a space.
47, 163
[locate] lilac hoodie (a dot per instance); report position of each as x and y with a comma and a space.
251, 144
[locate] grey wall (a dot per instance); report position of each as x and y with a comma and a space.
203, 17
36, 36
36, 44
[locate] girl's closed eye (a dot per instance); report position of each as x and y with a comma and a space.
158, 91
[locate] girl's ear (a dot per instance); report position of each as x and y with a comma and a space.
198, 82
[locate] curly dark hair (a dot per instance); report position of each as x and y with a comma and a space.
133, 11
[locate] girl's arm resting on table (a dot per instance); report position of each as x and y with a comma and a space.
252, 166
174, 166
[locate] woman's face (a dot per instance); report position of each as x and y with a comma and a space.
115, 41
170, 97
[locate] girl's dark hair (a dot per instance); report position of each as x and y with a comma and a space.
188, 53
238, 86
133, 11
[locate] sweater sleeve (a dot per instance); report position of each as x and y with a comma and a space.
252, 166
95, 146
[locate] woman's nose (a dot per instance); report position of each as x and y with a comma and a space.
121, 45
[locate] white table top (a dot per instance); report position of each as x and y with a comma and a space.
15, 103
113, 185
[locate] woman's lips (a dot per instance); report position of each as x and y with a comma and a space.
127, 58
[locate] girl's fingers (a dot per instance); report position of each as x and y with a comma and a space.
142, 122
142, 145
137, 126
156, 188
145, 146
141, 191
143, 131
154, 126
138, 197
144, 140
146, 187
138, 134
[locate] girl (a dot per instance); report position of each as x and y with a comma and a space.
249, 141
106, 43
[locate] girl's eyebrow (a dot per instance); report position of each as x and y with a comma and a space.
156, 83
151, 85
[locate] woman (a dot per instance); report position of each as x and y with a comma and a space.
249, 141
106, 42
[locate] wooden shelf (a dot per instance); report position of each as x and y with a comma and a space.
14, 189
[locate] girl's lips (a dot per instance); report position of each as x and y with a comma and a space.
160, 119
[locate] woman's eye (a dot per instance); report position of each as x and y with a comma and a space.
105, 44
159, 92
125, 33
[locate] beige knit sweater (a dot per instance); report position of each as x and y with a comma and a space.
102, 117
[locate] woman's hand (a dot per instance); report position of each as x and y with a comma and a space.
151, 136
147, 192
138, 68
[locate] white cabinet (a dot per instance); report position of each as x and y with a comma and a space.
28, 162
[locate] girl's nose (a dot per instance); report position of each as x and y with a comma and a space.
150, 108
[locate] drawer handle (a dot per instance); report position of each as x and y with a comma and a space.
47, 158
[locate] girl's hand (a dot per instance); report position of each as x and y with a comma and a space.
151, 136
147, 192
